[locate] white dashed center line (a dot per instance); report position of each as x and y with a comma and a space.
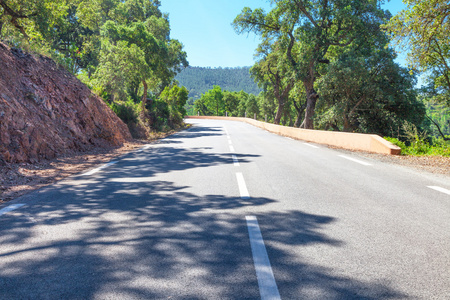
242, 186
440, 189
235, 161
266, 281
355, 160
10, 208
99, 168
310, 145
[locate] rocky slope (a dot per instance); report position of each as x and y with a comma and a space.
45, 111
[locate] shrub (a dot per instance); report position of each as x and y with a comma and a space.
421, 147
127, 111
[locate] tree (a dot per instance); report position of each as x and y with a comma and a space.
214, 102
31, 17
200, 107
120, 64
297, 95
252, 108
242, 106
268, 105
139, 23
231, 102
77, 45
370, 94
423, 29
176, 98
269, 70
309, 31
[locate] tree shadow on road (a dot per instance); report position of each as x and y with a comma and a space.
98, 237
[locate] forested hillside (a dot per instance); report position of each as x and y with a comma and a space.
198, 80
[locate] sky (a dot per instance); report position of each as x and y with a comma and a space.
204, 28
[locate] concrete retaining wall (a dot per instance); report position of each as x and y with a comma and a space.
351, 141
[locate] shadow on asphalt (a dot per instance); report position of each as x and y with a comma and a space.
140, 238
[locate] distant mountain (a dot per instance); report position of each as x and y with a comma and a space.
198, 80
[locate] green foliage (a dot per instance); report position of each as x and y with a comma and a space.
231, 100
234, 104
417, 143
437, 111
127, 111
120, 48
119, 66
212, 103
423, 148
200, 107
369, 94
198, 80
307, 34
159, 114
422, 29
176, 98
252, 108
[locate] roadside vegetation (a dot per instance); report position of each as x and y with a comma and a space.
328, 65
121, 49
333, 67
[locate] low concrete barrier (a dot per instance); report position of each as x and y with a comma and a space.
351, 141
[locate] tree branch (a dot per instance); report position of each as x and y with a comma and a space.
14, 16
306, 13
289, 49
439, 129
12, 13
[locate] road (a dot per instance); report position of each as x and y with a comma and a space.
225, 210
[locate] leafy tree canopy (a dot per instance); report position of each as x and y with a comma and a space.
423, 29
309, 31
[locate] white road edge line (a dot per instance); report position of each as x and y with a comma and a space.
235, 161
440, 189
99, 168
146, 147
242, 186
312, 146
266, 281
10, 208
355, 160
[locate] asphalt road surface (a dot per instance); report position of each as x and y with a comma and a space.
225, 210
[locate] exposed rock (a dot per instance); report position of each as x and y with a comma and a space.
45, 111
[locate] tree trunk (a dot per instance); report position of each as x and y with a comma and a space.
347, 126
144, 96
300, 111
311, 100
279, 113
288, 116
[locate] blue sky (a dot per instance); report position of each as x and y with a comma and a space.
204, 28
